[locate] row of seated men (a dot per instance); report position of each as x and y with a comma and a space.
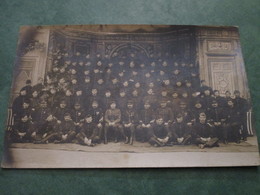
43, 125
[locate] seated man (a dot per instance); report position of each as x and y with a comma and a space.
203, 133
232, 125
97, 117
181, 132
77, 115
112, 121
23, 130
217, 119
146, 120
129, 122
166, 113
89, 132
51, 131
67, 130
159, 134
39, 119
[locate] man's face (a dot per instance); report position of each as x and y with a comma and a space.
113, 106
25, 119
162, 72
108, 94
164, 64
94, 105
185, 95
23, 92
25, 105
94, 91
188, 84
100, 81
49, 118
179, 119
194, 94
147, 75
114, 81
215, 104
237, 94
228, 94
86, 72
207, 92
159, 121
87, 80
151, 85
134, 73
167, 82
164, 93
183, 106
135, 93
89, 119
198, 105
49, 81
122, 94
125, 84
55, 69
77, 107
99, 63
73, 71
68, 93
137, 85
202, 118
150, 91
216, 93
175, 95
53, 91
62, 105
43, 104
147, 106
176, 72
178, 84
79, 93
74, 81
132, 64
35, 94
130, 105
62, 80
66, 118
163, 104
230, 103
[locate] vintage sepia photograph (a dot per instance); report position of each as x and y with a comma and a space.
129, 96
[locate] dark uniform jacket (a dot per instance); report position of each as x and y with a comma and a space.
40, 115
77, 115
113, 115
129, 116
159, 131
67, 126
202, 130
89, 130
165, 113
146, 116
180, 130
60, 112
96, 114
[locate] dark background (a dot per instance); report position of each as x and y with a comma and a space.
245, 14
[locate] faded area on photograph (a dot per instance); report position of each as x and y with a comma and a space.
103, 96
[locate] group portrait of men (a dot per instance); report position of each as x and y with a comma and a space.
94, 99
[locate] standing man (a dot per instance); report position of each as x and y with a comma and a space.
113, 121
